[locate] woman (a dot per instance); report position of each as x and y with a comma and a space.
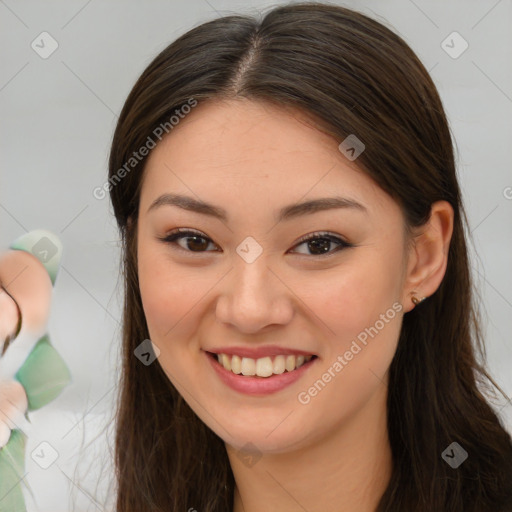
294, 248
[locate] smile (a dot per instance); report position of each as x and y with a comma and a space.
261, 376
262, 367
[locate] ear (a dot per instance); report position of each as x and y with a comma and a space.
428, 255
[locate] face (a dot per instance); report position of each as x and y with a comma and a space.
249, 287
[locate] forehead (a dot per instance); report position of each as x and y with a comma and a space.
245, 153
225, 132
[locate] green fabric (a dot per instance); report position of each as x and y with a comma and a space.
44, 374
12, 470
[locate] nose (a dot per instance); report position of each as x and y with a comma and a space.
253, 296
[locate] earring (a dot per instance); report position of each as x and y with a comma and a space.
417, 301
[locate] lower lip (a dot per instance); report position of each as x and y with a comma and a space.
258, 385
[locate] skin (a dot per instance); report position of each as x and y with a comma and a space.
27, 280
252, 159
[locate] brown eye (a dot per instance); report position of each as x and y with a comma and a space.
195, 241
320, 244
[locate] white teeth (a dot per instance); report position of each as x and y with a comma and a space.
279, 364
290, 363
248, 366
236, 364
262, 367
226, 361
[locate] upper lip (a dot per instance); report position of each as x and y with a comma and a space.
259, 352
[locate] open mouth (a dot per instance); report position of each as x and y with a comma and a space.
263, 367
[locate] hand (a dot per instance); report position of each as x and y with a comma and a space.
13, 405
26, 279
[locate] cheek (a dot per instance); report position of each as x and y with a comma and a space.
359, 307
354, 296
165, 298
172, 296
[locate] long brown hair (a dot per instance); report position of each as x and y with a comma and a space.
353, 76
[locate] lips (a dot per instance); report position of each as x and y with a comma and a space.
260, 361
258, 352
265, 383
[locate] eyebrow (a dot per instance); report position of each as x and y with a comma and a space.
285, 213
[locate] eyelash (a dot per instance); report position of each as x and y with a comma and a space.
181, 233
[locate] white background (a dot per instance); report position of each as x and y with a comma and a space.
57, 119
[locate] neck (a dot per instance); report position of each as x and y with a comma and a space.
348, 471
